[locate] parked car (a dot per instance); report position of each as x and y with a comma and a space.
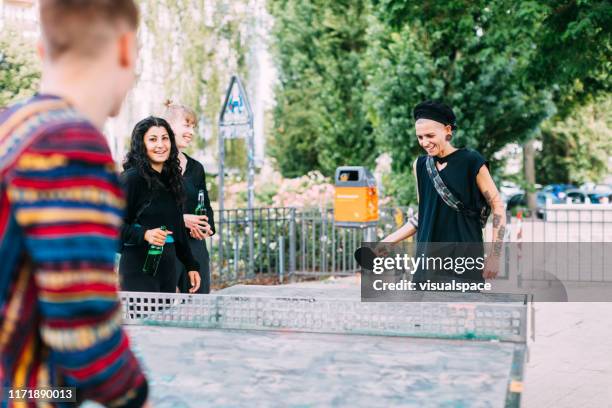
558, 190
508, 189
600, 198
515, 203
597, 188
577, 196
520, 201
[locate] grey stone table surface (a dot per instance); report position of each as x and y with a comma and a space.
228, 368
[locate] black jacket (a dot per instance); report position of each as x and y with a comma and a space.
149, 208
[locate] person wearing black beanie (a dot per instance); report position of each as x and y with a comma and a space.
455, 197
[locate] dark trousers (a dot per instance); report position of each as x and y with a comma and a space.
200, 253
133, 279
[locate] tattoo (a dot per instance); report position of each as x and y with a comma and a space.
497, 249
501, 232
497, 246
488, 197
498, 241
496, 220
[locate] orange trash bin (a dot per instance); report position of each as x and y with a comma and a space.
355, 197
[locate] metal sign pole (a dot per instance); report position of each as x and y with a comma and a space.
236, 121
251, 195
251, 168
221, 195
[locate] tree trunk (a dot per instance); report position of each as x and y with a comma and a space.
529, 166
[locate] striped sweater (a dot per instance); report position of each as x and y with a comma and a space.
61, 208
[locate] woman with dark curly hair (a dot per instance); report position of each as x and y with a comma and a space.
154, 192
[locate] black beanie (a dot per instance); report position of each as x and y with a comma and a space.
438, 111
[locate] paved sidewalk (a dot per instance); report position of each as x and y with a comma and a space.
570, 363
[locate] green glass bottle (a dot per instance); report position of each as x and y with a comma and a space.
153, 257
201, 208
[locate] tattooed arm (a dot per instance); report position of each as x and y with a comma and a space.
488, 189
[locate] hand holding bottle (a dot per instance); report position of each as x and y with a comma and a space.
198, 222
195, 221
156, 236
198, 226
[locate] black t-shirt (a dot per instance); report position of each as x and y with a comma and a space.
440, 223
157, 207
437, 221
194, 180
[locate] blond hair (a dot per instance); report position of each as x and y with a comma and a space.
174, 111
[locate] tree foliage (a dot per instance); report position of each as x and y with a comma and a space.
574, 45
472, 55
577, 149
320, 120
19, 68
196, 47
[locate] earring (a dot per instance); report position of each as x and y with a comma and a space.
448, 137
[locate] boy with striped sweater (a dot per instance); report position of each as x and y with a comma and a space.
61, 209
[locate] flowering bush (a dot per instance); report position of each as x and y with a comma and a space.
312, 190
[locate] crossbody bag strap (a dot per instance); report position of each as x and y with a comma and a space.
443, 191
441, 188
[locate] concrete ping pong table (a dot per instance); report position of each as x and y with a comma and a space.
319, 345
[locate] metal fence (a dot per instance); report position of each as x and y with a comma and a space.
570, 223
251, 243
570, 243
281, 242
325, 249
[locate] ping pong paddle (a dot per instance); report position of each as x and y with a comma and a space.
365, 257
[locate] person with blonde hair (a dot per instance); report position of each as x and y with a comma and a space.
183, 122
